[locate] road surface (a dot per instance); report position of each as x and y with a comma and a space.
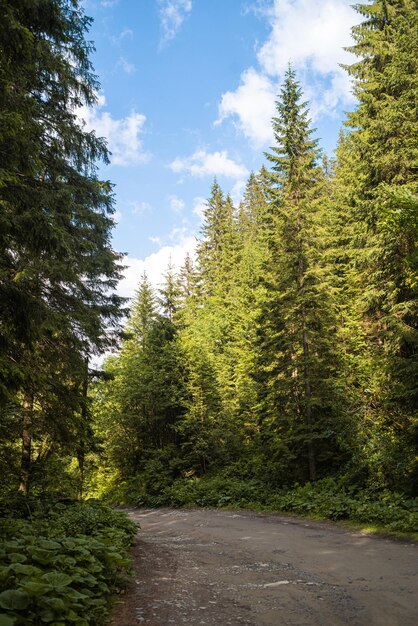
219, 568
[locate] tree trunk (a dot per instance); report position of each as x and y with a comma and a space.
25, 463
306, 368
81, 445
80, 460
308, 397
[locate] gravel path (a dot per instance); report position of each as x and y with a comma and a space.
219, 568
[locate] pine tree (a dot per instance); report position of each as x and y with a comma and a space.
385, 144
187, 280
216, 248
170, 293
57, 267
210, 426
381, 152
250, 260
296, 357
146, 399
143, 311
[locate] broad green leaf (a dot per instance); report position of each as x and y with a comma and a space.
56, 604
57, 579
16, 557
4, 572
72, 594
26, 570
47, 544
87, 579
71, 616
68, 561
14, 599
34, 588
45, 557
47, 616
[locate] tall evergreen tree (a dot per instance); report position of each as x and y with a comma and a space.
296, 360
170, 292
251, 257
139, 410
57, 266
377, 197
143, 311
216, 247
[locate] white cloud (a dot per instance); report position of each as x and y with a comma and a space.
155, 240
172, 15
128, 68
253, 104
178, 234
311, 34
126, 33
155, 265
203, 163
138, 208
199, 207
117, 217
176, 203
122, 135
327, 100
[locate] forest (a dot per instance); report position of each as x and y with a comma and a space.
277, 370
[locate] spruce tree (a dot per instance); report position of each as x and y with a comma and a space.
251, 258
170, 292
378, 199
57, 266
143, 311
296, 355
386, 148
141, 407
217, 246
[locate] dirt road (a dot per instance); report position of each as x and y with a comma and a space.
219, 568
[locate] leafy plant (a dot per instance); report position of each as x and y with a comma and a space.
62, 565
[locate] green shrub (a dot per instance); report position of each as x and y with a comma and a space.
327, 499
62, 564
330, 500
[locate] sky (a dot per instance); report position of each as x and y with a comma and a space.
188, 90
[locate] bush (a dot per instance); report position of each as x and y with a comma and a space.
329, 499
62, 563
214, 491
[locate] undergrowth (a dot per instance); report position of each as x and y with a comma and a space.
328, 498
61, 563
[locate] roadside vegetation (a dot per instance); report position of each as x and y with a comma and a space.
61, 563
380, 511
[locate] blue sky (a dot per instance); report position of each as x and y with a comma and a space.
187, 93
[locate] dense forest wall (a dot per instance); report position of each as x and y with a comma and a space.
285, 352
